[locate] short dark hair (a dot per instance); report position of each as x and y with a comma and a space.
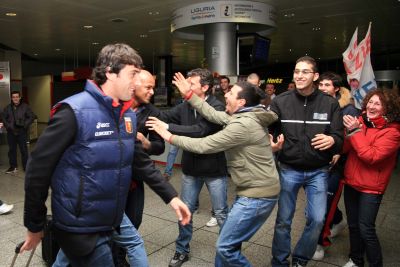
15, 92
331, 76
224, 77
112, 58
250, 92
206, 77
309, 60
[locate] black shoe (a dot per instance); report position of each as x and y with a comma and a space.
11, 170
178, 259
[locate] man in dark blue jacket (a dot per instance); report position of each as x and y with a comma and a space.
198, 169
86, 156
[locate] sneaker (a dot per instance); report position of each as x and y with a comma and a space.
5, 208
350, 263
319, 253
338, 228
178, 259
11, 170
212, 222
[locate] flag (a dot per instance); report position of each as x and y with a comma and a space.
357, 63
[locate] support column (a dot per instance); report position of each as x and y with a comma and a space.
220, 47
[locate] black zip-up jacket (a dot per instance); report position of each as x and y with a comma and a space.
300, 119
184, 120
21, 114
157, 142
48, 150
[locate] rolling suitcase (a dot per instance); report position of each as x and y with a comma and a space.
17, 250
50, 246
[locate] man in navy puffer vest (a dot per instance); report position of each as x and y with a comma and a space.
86, 155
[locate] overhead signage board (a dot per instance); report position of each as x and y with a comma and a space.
223, 11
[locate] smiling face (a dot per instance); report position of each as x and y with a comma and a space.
123, 83
196, 87
232, 101
326, 86
144, 87
374, 107
304, 77
224, 84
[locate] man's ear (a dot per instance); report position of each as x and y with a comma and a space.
316, 76
242, 102
110, 76
205, 88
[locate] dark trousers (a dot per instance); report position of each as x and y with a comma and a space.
362, 210
331, 206
14, 140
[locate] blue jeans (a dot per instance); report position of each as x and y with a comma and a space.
173, 152
315, 186
362, 210
100, 256
191, 187
246, 216
130, 239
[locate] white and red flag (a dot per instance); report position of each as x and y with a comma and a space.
357, 63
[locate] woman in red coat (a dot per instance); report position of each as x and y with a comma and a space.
372, 143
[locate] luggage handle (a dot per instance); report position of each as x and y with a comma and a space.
18, 250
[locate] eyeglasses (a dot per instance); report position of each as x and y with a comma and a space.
304, 72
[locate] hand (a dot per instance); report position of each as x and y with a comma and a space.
322, 141
32, 240
182, 84
334, 160
181, 210
145, 142
351, 122
279, 142
159, 127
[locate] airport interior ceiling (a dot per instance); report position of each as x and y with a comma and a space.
65, 31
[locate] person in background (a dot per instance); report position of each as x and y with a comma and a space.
17, 117
372, 142
4, 208
330, 83
291, 86
224, 87
270, 90
254, 79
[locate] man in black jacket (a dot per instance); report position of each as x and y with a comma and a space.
313, 130
17, 117
197, 168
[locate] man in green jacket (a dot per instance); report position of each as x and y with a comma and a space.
250, 162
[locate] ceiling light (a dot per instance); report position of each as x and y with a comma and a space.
185, 43
58, 49
316, 28
95, 43
154, 13
289, 15
11, 14
36, 54
88, 27
290, 49
334, 38
143, 36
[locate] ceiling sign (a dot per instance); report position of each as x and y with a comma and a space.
223, 11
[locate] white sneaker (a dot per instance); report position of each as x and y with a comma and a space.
350, 263
212, 222
5, 208
338, 228
319, 253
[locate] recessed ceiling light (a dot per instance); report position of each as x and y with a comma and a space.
58, 49
88, 26
11, 14
95, 43
154, 13
185, 43
143, 36
289, 15
290, 49
36, 54
334, 38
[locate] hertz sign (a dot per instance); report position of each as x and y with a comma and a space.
274, 80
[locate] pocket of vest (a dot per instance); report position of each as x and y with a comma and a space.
80, 196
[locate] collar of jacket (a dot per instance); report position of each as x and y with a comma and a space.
311, 96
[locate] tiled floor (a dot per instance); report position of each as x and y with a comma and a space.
159, 228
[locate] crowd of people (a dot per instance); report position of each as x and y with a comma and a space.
95, 156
